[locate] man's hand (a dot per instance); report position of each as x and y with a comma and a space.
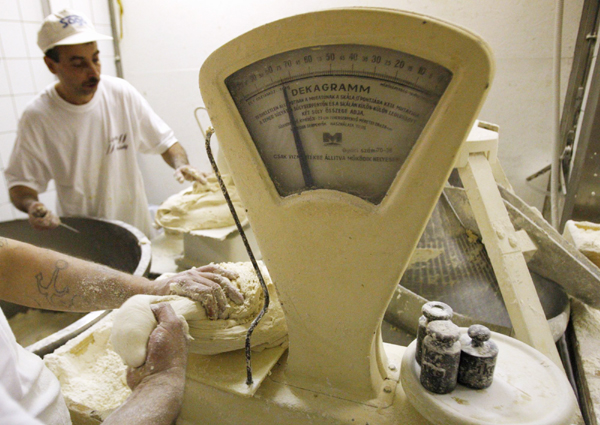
177, 158
158, 385
167, 350
209, 285
189, 173
41, 218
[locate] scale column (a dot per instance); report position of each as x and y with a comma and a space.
501, 243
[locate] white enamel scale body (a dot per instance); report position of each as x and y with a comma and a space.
340, 129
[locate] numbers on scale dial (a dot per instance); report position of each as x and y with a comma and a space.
385, 64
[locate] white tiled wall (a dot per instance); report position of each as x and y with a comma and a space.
23, 72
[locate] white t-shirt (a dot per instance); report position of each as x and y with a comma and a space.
29, 392
90, 151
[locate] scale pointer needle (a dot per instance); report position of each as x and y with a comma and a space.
308, 180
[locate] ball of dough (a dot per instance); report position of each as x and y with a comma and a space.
132, 325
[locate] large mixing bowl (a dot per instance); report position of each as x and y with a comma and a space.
112, 243
458, 272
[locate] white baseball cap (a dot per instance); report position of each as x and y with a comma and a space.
67, 27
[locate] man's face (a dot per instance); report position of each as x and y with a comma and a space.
78, 72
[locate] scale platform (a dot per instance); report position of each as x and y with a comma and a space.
528, 389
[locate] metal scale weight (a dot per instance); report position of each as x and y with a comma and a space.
340, 129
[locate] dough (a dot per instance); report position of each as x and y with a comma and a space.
200, 207
133, 324
585, 236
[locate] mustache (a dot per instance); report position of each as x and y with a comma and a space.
92, 80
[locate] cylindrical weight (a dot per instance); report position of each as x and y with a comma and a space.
433, 310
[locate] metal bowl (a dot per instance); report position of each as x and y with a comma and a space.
109, 242
460, 274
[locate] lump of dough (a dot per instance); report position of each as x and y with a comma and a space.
199, 207
132, 325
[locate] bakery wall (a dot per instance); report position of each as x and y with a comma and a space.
165, 43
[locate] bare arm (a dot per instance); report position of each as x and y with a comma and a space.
159, 383
42, 278
177, 158
26, 200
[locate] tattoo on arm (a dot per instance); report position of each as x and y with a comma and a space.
52, 290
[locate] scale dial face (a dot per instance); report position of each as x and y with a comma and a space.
339, 117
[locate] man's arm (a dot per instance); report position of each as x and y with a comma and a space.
42, 278
177, 158
26, 199
158, 384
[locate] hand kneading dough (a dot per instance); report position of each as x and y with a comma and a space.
199, 207
133, 325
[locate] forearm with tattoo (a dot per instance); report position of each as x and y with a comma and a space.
47, 279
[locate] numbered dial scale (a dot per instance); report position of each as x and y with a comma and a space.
342, 117
340, 128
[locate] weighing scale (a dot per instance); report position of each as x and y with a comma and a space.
340, 129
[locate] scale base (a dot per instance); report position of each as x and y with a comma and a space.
276, 402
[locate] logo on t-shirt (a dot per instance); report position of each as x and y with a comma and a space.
117, 143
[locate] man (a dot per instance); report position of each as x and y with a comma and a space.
84, 132
36, 277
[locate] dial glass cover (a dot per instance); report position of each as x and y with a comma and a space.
339, 117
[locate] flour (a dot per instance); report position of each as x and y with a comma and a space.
92, 375
202, 206
209, 336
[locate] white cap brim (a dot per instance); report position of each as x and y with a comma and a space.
81, 38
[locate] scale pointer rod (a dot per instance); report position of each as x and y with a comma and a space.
308, 180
